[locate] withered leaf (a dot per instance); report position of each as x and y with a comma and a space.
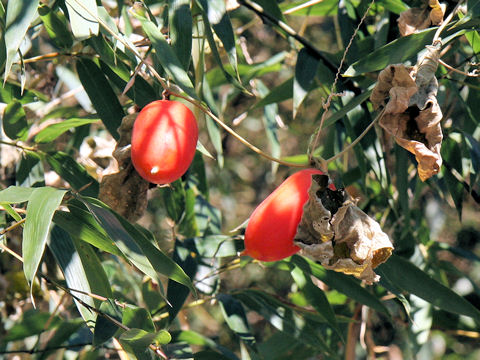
415, 19
412, 114
335, 232
125, 191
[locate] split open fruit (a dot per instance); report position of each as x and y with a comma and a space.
273, 224
164, 140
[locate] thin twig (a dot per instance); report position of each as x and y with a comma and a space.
445, 22
13, 226
17, 145
474, 73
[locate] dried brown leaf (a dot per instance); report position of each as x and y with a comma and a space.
415, 19
335, 232
412, 114
125, 191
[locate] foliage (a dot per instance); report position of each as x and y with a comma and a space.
77, 279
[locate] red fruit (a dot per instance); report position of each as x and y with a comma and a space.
164, 140
273, 224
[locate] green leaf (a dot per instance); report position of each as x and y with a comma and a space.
220, 21
20, 14
41, 206
167, 57
410, 278
235, 317
11, 91
101, 95
323, 8
282, 92
305, 70
81, 225
180, 21
29, 171
83, 18
15, 194
105, 328
394, 52
316, 297
72, 172
14, 121
82, 271
185, 255
216, 246
53, 131
174, 200
137, 341
136, 317
56, 26
283, 318
195, 338
133, 243
343, 283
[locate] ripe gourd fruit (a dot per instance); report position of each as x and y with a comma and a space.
164, 139
273, 224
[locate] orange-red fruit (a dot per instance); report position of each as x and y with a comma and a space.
164, 140
273, 224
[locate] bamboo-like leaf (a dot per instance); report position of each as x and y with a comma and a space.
101, 95
20, 14
83, 18
53, 131
15, 194
167, 57
56, 26
14, 121
235, 317
42, 204
408, 277
82, 270
72, 172
180, 21
305, 70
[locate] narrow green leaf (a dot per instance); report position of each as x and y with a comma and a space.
29, 171
167, 57
282, 92
101, 95
82, 271
81, 225
174, 200
217, 246
42, 204
343, 283
135, 245
323, 8
185, 255
220, 21
316, 297
20, 14
56, 26
51, 132
235, 317
105, 328
14, 121
83, 16
195, 338
15, 194
136, 317
410, 278
180, 21
12, 91
136, 341
305, 70
72, 172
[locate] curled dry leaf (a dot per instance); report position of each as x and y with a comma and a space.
412, 114
335, 232
416, 19
125, 191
